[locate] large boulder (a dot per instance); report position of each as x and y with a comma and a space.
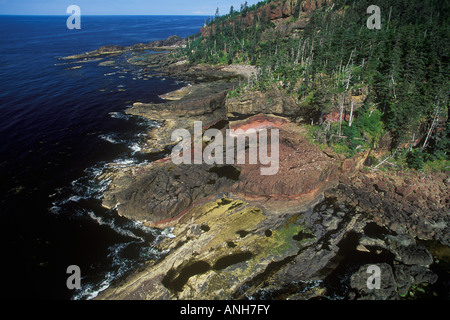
160, 192
387, 290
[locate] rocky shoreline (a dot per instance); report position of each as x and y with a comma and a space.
310, 231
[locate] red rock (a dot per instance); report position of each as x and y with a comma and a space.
304, 170
275, 10
257, 122
348, 165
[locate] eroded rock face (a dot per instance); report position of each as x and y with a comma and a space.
275, 11
202, 102
412, 204
304, 170
222, 247
162, 191
158, 193
270, 102
231, 249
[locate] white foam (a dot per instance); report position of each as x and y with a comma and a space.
140, 225
111, 138
168, 233
122, 163
89, 292
75, 198
119, 115
55, 209
135, 148
111, 223
123, 265
120, 263
147, 253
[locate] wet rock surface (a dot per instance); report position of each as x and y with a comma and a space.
231, 249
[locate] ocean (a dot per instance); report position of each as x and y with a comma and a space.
60, 127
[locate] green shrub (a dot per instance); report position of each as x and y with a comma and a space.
414, 159
437, 165
342, 149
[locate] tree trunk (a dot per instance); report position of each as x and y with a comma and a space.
436, 117
351, 116
341, 112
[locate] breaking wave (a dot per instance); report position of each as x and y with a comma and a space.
82, 200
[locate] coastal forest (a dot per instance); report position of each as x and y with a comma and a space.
324, 55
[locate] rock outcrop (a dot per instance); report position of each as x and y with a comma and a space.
171, 42
415, 204
158, 193
228, 249
201, 102
276, 12
270, 102
304, 171
161, 191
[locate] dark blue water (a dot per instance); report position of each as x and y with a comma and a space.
59, 129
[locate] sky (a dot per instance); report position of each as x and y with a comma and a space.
120, 7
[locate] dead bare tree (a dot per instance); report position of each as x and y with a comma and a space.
341, 113
350, 121
384, 161
433, 125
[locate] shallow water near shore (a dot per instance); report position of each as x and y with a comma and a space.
61, 123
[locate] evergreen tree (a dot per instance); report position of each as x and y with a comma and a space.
404, 65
